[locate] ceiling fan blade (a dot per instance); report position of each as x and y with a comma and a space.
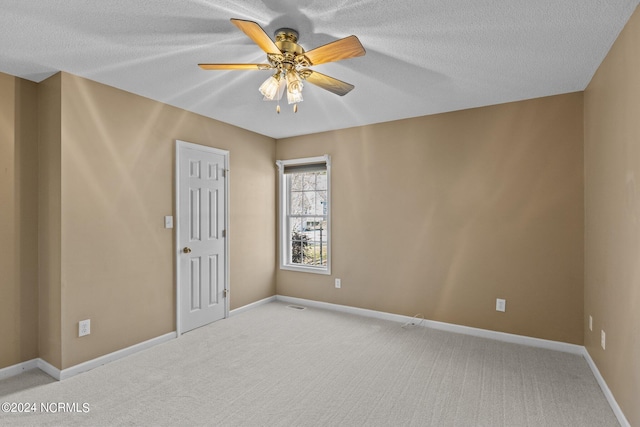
235, 66
329, 83
257, 34
348, 47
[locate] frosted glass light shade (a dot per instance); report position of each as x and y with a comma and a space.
270, 87
294, 88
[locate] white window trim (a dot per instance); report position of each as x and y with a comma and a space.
282, 217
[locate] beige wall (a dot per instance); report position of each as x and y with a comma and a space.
26, 229
9, 286
18, 221
117, 262
87, 177
441, 215
49, 220
612, 196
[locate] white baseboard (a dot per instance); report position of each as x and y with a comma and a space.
506, 337
494, 335
59, 375
252, 305
102, 360
18, 368
48, 369
605, 389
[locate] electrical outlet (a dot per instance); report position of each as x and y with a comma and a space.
590, 323
603, 340
84, 327
338, 283
501, 305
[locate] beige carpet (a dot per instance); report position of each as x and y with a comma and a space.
277, 366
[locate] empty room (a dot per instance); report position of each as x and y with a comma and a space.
320, 213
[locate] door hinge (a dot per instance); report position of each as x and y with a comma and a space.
225, 293
224, 233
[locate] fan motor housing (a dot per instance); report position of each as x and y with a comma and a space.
286, 40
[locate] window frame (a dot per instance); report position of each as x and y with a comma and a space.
283, 229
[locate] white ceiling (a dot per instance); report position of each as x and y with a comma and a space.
423, 56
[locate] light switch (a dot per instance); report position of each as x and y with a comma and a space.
168, 221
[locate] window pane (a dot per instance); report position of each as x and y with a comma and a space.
310, 180
322, 181
320, 203
325, 256
307, 202
295, 225
295, 181
315, 253
296, 252
316, 250
295, 205
308, 255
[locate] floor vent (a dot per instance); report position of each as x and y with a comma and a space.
296, 307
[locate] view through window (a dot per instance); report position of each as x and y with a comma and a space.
305, 199
307, 217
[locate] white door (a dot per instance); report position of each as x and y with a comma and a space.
201, 235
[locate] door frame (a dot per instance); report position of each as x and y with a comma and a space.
176, 247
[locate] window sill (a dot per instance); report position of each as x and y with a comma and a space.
300, 269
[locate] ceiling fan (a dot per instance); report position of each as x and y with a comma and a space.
291, 63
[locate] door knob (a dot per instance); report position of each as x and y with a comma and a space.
186, 250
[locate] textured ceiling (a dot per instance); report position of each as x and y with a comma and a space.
423, 56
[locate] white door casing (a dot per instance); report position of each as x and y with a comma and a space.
201, 235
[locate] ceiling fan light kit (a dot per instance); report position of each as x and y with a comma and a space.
294, 87
292, 63
270, 88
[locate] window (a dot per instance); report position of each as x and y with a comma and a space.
305, 206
